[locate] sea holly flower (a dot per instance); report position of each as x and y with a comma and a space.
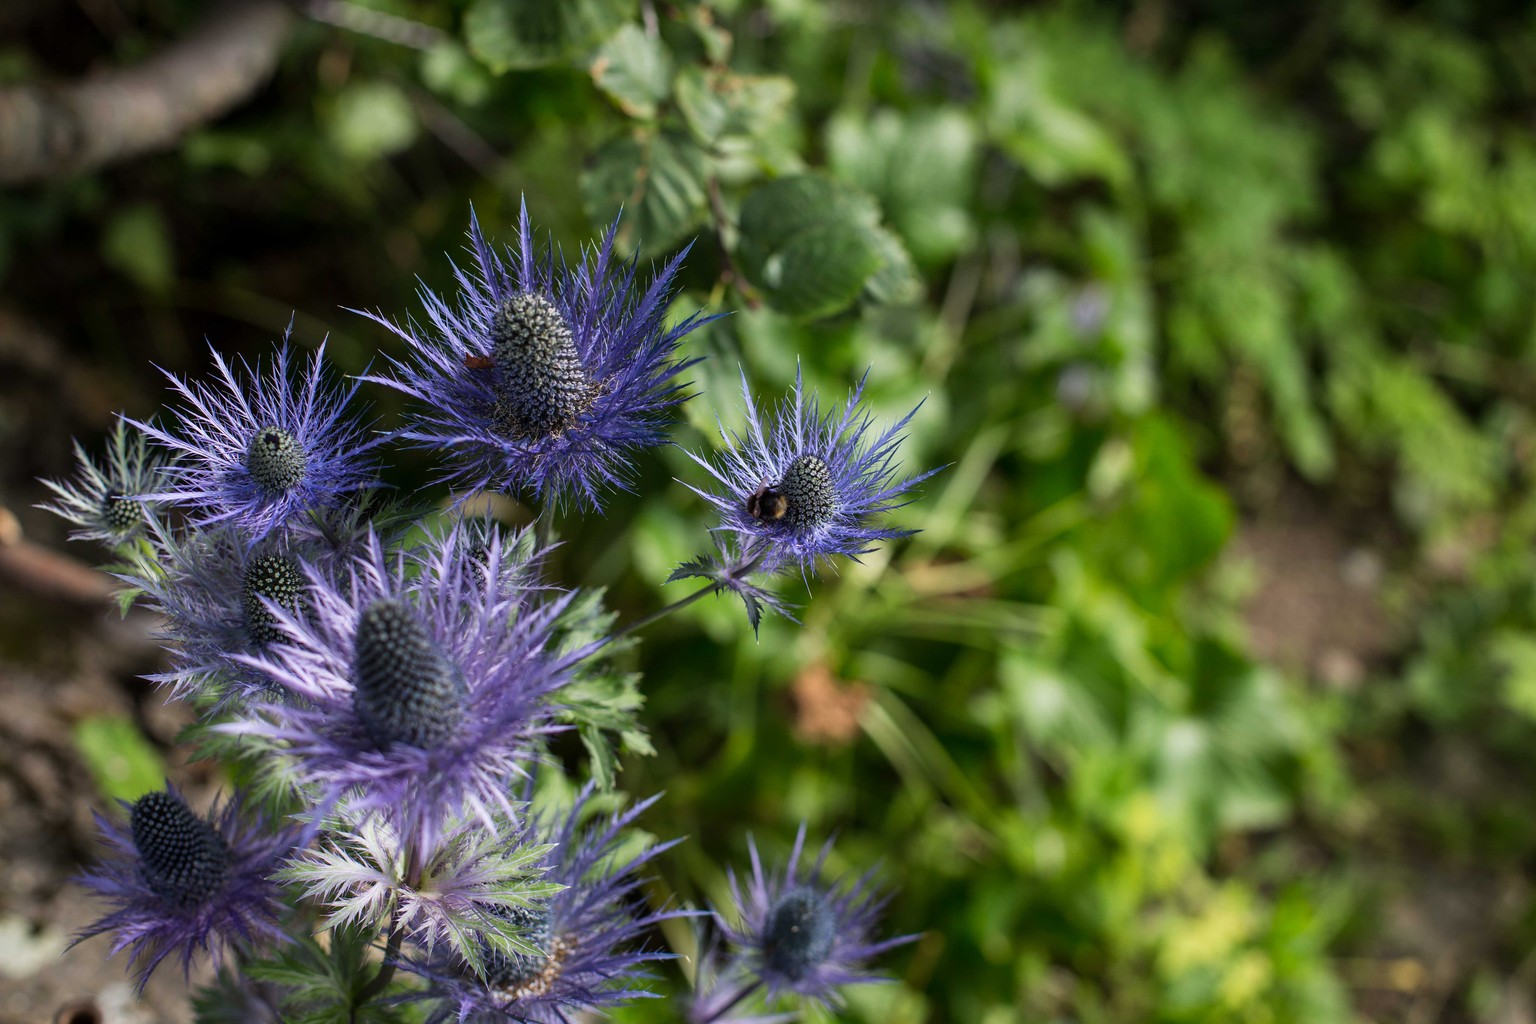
255, 450
183, 884
799, 932
804, 487
105, 500
543, 376
416, 685
589, 936
212, 589
721, 989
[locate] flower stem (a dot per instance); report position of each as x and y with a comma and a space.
726, 1007
380, 981
641, 623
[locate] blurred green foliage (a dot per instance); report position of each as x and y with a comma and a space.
1161, 272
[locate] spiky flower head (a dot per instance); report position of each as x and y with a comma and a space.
105, 500
256, 449
543, 376
805, 486
183, 884
590, 933
800, 932
722, 987
415, 685
212, 590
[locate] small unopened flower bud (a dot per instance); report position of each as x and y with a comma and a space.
182, 858
278, 579
275, 459
801, 928
406, 690
541, 384
808, 493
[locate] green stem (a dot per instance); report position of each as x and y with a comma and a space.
663, 613
379, 982
737, 998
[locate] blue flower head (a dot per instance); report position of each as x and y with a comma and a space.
258, 449
104, 500
806, 487
211, 589
589, 936
183, 884
416, 687
543, 376
801, 933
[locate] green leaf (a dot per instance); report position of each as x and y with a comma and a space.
137, 243
717, 104
322, 983
122, 761
510, 35
449, 70
815, 246
602, 702
635, 70
896, 282
657, 179
919, 166
821, 270
369, 120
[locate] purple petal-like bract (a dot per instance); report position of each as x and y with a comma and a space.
627, 365
244, 912
595, 957
491, 632
848, 913
858, 484
325, 455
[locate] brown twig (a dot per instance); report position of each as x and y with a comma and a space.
62, 129
47, 573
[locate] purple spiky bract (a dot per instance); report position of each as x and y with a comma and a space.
568, 429
207, 587
484, 642
800, 932
596, 956
240, 908
257, 449
836, 474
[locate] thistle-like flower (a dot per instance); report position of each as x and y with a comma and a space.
542, 376
258, 449
587, 935
105, 501
809, 486
802, 933
721, 989
415, 687
182, 884
211, 589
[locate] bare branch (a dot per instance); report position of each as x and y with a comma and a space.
62, 129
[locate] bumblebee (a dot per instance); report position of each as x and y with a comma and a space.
767, 503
